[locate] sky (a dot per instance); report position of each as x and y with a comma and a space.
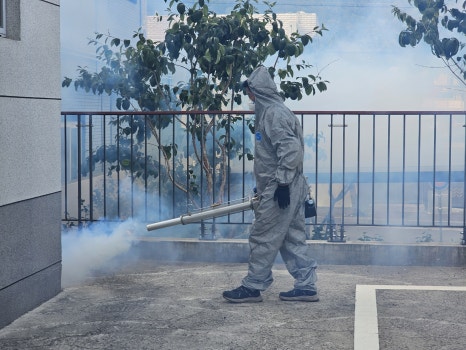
360, 57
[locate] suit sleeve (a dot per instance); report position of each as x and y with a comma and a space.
287, 145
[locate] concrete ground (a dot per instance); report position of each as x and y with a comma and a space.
153, 305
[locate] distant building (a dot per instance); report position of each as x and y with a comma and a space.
302, 22
156, 27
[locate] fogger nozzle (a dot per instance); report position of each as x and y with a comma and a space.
206, 214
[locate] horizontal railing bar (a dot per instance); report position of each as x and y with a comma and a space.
375, 113
395, 176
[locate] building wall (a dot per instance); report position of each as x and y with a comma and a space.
30, 243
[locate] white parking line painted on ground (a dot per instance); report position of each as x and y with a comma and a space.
366, 330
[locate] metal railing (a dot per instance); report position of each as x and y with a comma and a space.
366, 168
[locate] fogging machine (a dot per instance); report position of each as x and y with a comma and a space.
208, 213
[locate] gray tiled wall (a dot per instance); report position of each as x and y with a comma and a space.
30, 255
30, 197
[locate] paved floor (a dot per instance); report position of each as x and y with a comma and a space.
149, 305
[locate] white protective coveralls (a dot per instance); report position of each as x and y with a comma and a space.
279, 152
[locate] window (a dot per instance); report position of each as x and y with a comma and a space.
2, 18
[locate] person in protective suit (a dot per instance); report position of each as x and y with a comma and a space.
279, 224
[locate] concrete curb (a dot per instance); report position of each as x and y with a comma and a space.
349, 253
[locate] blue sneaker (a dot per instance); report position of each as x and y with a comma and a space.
299, 295
243, 295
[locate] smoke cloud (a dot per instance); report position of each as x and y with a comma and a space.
96, 250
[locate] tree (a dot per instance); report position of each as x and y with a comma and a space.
216, 52
442, 26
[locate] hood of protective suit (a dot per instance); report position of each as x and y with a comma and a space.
263, 87
279, 146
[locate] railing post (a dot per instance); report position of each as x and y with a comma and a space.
463, 240
330, 232
90, 174
342, 234
333, 236
78, 126
203, 236
65, 166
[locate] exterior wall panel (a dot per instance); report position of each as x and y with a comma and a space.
30, 148
32, 67
30, 235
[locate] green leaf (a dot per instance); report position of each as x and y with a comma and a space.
207, 56
196, 16
282, 73
66, 82
321, 86
115, 42
181, 8
305, 39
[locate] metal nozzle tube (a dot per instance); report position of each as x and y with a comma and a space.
203, 215
163, 224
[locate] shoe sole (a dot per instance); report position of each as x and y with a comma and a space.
300, 298
245, 300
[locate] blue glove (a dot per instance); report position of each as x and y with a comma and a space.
282, 194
